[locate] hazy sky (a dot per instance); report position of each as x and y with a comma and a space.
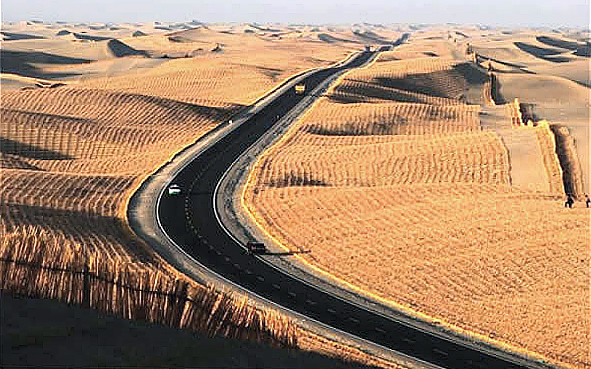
552, 13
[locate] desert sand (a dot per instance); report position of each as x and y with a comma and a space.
89, 110
416, 188
407, 183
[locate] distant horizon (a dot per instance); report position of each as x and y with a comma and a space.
81, 22
525, 14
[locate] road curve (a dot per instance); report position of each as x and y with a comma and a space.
190, 220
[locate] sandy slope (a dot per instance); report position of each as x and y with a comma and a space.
88, 113
558, 99
428, 211
394, 187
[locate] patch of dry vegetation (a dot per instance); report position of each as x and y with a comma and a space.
72, 156
44, 264
429, 81
411, 202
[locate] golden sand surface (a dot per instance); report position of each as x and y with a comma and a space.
397, 192
421, 213
97, 109
88, 111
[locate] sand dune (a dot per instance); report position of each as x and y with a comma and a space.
329, 38
119, 49
542, 89
24, 63
401, 167
543, 53
556, 42
409, 195
11, 36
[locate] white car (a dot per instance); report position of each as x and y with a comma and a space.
174, 189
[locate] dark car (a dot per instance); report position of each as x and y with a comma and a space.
255, 247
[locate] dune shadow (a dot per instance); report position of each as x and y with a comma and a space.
264, 29
346, 99
330, 39
401, 39
345, 130
371, 37
9, 161
8, 146
352, 129
209, 112
584, 50
557, 59
519, 68
366, 94
290, 179
11, 36
120, 49
423, 83
563, 44
541, 52
508, 64
528, 113
23, 63
407, 89
81, 36
471, 74
285, 253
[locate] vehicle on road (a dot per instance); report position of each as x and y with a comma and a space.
174, 189
255, 247
300, 89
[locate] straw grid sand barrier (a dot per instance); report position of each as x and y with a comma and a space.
396, 191
37, 263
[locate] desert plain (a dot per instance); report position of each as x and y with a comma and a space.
418, 180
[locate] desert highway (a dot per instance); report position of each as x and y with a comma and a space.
190, 220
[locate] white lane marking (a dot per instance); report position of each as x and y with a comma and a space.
440, 352
380, 330
227, 259
247, 271
260, 278
292, 294
408, 340
331, 311
276, 286
237, 266
356, 321
310, 302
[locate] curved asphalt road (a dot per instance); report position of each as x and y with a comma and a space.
191, 222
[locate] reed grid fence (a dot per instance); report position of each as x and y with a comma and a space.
146, 294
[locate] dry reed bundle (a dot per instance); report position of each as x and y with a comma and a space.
566, 151
546, 139
40, 264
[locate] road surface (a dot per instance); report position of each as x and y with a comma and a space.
190, 220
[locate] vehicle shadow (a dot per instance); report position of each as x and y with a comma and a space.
285, 253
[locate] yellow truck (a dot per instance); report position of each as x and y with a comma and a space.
300, 88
